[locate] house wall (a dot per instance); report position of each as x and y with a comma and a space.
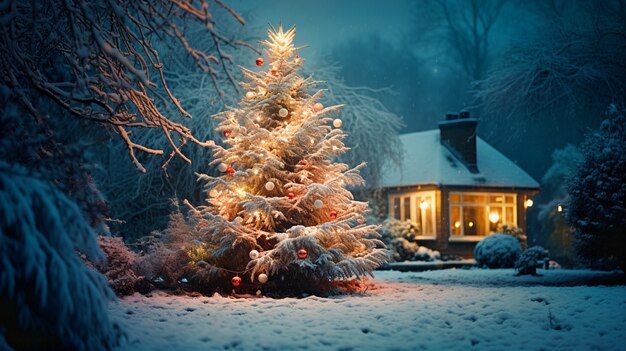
464, 248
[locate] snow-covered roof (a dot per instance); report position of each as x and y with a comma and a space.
426, 161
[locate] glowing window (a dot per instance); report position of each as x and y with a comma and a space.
480, 214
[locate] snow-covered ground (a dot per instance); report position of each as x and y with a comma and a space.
452, 309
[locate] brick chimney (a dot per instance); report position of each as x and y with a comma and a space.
458, 134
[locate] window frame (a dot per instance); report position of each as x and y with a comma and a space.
414, 197
487, 206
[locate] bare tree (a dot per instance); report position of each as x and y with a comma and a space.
575, 66
98, 61
463, 27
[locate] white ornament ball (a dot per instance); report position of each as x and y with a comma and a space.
254, 254
269, 186
222, 167
262, 278
337, 123
318, 106
318, 203
250, 95
283, 112
213, 193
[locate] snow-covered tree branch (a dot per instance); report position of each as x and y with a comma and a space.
98, 60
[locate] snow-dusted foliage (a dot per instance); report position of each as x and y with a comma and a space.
529, 259
98, 60
120, 267
365, 119
515, 232
49, 298
168, 255
497, 251
282, 209
597, 207
557, 231
399, 236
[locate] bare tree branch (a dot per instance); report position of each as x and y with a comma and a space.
96, 59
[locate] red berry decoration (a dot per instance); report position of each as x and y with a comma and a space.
236, 281
227, 133
291, 195
302, 254
333, 214
260, 61
230, 170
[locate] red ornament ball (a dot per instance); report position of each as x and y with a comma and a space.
260, 61
291, 195
302, 254
303, 163
274, 72
227, 133
230, 170
236, 281
333, 214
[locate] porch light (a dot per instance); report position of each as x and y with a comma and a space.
494, 217
559, 208
529, 203
470, 224
423, 205
457, 224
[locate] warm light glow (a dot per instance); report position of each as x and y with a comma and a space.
256, 213
494, 217
240, 191
312, 141
262, 141
258, 118
255, 171
334, 148
470, 224
559, 208
423, 205
529, 203
457, 224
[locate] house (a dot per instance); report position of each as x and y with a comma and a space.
455, 188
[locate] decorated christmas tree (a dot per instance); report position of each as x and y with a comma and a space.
280, 216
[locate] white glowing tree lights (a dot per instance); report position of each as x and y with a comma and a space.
279, 194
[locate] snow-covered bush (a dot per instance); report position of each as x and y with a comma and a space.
597, 207
49, 298
399, 236
171, 256
515, 232
119, 270
527, 261
497, 251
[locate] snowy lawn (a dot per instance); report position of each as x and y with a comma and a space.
436, 310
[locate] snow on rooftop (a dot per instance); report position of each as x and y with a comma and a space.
426, 161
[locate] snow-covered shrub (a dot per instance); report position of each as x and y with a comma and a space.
399, 236
515, 232
170, 255
49, 298
497, 251
597, 207
527, 261
119, 270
